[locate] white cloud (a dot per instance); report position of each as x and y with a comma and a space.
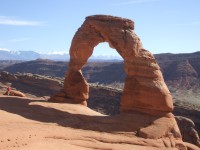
4, 20
135, 2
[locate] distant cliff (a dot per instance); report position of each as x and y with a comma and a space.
181, 73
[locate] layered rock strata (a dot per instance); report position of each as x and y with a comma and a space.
33, 80
145, 89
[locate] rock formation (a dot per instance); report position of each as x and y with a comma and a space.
188, 131
145, 89
15, 93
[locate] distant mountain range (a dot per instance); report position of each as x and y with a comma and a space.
32, 55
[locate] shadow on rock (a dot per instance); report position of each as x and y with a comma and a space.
42, 111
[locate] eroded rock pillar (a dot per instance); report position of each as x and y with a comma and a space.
76, 87
145, 89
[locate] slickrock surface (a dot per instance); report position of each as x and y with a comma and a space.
145, 89
35, 124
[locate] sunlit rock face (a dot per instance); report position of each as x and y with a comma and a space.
145, 89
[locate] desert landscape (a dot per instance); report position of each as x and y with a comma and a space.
126, 105
100, 75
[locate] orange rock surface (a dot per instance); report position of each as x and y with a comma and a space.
32, 124
145, 89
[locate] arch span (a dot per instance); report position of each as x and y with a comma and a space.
144, 90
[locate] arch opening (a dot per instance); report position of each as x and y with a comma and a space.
103, 51
105, 74
106, 69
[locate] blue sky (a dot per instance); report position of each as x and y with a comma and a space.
49, 25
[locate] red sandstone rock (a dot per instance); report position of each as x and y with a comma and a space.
15, 93
76, 87
145, 89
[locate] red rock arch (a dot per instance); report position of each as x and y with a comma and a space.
144, 90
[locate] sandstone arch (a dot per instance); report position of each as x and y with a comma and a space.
144, 90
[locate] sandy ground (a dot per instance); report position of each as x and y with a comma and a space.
33, 124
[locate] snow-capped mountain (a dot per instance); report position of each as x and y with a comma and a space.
105, 57
6, 54
55, 55
18, 55
4, 49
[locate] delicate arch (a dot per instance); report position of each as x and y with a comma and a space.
144, 90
